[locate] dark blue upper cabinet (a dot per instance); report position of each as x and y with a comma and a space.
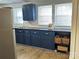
29, 12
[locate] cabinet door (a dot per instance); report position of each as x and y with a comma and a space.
19, 35
27, 37
25, 12
47, 39
52, 41
29, 12
32, 12
35, 38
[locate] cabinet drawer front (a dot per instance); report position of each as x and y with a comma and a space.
18, 31
34, 32
26, 32
46, 33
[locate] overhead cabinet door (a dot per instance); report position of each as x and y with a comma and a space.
29, 12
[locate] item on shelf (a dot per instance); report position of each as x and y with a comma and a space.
65, 40
58, 39
62, 48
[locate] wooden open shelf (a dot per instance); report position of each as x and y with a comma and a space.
62, 42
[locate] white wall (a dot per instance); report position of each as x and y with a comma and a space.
38, 2
45, 2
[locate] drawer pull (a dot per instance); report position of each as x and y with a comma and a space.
46, 33
20, 31
35, 32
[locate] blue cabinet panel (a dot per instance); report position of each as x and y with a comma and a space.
35, 38
39, 38
19, 35
47, 38
26, 36
29, 12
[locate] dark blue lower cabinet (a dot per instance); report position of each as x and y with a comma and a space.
19, 36
27, 40
38, 38
51, 45
45, 43
35, 38
36, 41
26, 36
47, 39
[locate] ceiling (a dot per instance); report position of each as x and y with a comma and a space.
10, 1
15, 1
33, 1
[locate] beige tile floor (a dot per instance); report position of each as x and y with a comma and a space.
30, 52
